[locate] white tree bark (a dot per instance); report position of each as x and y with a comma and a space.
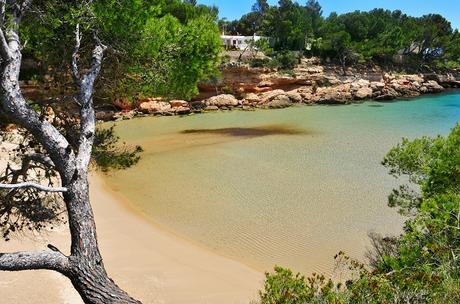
84, 267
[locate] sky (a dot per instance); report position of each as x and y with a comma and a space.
450, 9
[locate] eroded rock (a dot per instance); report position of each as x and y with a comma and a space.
224, 100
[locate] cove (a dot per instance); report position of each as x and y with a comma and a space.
288, 187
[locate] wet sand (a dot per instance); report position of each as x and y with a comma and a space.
152, 265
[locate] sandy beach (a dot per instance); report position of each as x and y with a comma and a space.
151, 264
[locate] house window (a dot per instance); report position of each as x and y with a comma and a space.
234, 42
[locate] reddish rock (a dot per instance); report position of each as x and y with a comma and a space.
178, 103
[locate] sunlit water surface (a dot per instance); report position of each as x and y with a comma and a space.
287, 187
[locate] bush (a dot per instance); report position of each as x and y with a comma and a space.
260, 63
286, 60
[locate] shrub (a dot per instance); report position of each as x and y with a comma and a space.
260, 63
286, 60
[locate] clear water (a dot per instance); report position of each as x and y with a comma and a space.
293, 199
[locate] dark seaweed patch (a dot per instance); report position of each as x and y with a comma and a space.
250, 132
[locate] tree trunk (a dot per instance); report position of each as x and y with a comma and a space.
94, 286
87, 272
84, 267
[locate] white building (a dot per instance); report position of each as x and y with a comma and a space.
239, 42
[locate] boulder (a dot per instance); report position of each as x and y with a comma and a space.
404, 87
377, 85
224, 100
340, 94
363, 93
105, 115
413, 78
307, 98
197, 105
387, 93
269, 96
178, 103
251, 99
212, 108
182, 110
433, 87
294, 97
154, 106
280, 101
124, 115
361, 83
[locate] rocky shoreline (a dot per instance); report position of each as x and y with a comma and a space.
317, 89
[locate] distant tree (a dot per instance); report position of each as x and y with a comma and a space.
192, 2
261, 6
314, 7
434, 36
315, 10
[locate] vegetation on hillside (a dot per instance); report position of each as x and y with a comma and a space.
156, 48
378, 36
422, 265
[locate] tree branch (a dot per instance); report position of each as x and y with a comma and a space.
26, 164
16, 108
87, 115
75, 73
2, 11
32, 185
40, 158
4, 48
49, 260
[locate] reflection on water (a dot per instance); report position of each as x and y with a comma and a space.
304, 183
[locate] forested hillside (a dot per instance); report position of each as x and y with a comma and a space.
378, 36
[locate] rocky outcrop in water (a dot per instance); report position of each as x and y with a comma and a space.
309, 83
328, 89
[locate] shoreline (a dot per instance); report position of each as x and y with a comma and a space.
148, 262
126, 204
134, 114
344, 93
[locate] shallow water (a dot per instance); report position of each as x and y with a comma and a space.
290, 187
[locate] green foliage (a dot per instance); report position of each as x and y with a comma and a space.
150, 43
285, 60
420, 266
263, 45
108, 154
170, 46
375, 36
285, 287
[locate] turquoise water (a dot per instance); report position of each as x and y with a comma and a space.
293, 198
